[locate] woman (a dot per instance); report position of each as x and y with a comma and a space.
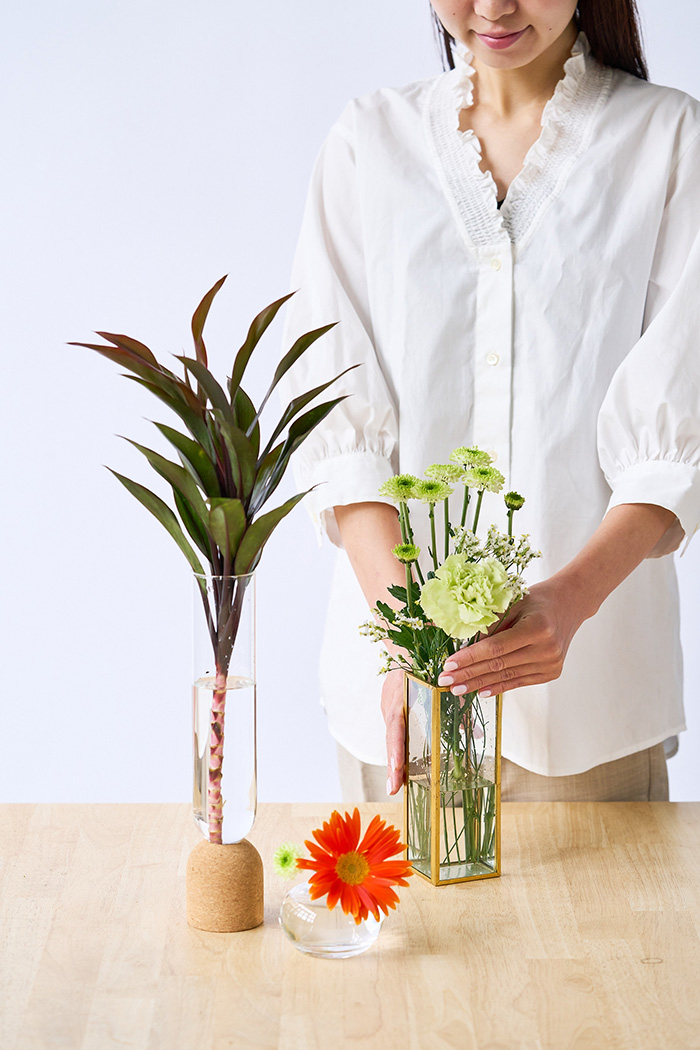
512, 251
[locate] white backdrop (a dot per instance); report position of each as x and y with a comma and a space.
151, 146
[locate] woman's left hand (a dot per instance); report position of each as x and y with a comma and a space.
527, 648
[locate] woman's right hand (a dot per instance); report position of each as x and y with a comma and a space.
393, 712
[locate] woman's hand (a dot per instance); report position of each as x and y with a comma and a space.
527, 648
530, 645
393, 711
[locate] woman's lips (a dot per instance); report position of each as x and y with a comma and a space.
500, 42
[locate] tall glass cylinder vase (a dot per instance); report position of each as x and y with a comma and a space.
453, 790
225, 774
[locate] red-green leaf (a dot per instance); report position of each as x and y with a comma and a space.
194, 422
198, 319
298, 403
165, 516
258, 533
192, 523
255, 333
193, 455
127, 343
178, 477
301, 346
209, 385
227, 523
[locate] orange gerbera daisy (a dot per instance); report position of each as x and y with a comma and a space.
358, 874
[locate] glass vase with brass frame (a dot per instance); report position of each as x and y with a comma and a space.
453, 786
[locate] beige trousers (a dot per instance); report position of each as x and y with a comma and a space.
641, 777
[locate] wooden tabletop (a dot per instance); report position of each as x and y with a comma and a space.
590, 939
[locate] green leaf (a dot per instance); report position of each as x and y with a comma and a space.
209, 385
257, 329
165, 516
198, 319
193, 455
258, 533
192, 523
178, 477
227, 523
386, 610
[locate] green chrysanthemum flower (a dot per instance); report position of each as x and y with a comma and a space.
486, 479
400, 488
471, 457
430, 491
406, 552
447, 472
514, 500
284, 860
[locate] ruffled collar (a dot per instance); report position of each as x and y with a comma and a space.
574, 70
567, 123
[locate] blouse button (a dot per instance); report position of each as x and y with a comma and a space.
496, 264
492, 359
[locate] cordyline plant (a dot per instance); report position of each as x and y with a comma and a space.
223, 479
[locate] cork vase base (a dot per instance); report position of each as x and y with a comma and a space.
224, 887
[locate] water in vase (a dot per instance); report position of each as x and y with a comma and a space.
238, 769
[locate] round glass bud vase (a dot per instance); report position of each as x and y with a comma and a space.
225, 770
315, 929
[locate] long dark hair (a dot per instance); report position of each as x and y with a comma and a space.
612, 28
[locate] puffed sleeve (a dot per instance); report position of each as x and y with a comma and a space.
649, 423
355, 449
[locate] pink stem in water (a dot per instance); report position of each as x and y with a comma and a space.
216, 757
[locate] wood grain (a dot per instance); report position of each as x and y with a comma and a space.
590, 939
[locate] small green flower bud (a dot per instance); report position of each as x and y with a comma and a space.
513, 500
406, 552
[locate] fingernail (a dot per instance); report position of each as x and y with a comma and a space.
388, 786
458, 690
485, 692
450, 665
445, 679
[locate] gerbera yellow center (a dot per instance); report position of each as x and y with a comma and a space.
352, 868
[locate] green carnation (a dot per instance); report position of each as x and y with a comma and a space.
448, 472
400, 488
471, 457
284, 860
465, 597
514, 500
484, 478
431, 491
406, 552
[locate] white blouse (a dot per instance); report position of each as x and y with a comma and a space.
560, 332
